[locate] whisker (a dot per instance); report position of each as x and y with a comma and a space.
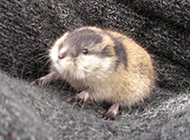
41, 68
42, 57
47, 62
64, 85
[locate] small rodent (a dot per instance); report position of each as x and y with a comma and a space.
104, 65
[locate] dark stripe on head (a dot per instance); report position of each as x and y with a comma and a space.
120, 51
89, 35
80, 39
105, 52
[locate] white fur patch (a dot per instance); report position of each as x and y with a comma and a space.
92, 66
63, 49
83, 67
54, 52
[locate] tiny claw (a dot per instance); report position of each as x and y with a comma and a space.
80, 99
76, 101
35, 82
111, 113
43, 81
71, 100
107, 116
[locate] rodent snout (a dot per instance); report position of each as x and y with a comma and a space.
62, 55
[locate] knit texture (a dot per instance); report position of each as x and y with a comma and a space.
29, 28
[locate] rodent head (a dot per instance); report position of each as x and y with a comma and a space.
82, 54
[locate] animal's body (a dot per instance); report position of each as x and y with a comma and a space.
105, 65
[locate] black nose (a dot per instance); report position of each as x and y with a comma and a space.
61, 56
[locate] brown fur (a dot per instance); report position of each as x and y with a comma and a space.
126, 85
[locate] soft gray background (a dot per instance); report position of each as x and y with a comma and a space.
28, 28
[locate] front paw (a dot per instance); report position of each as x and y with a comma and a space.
80, 99
111, 113
43, 81
107, 116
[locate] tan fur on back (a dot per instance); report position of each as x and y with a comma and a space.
127, 86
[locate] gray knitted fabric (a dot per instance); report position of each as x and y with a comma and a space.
29, 28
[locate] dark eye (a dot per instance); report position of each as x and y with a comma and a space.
85, 51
